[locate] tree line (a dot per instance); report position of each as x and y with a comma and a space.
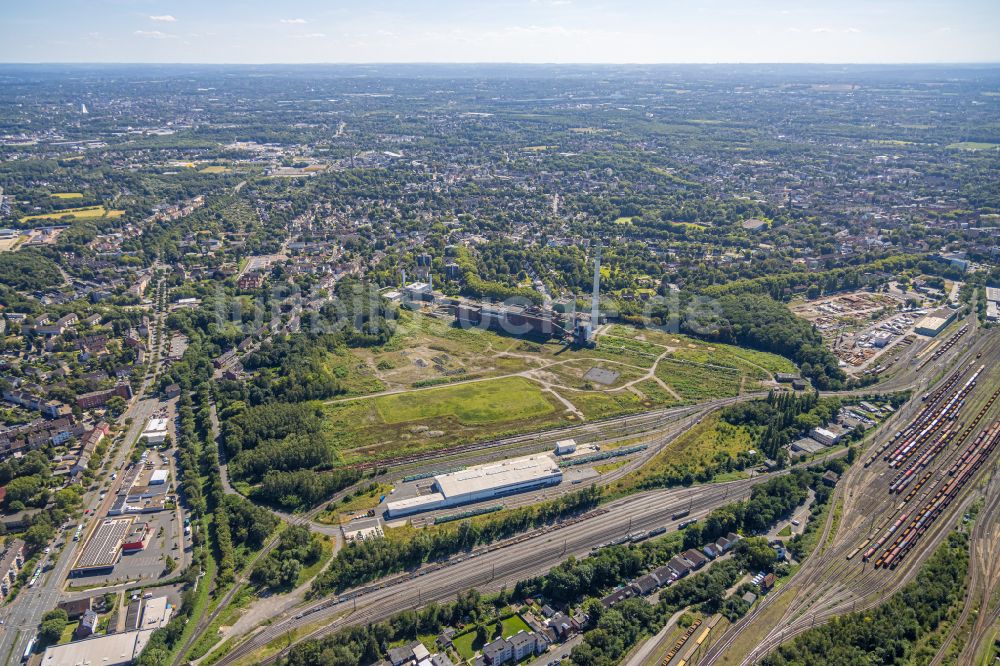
364, 561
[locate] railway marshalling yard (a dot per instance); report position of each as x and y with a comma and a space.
918, 479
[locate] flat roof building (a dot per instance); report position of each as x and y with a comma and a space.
156, 431
807, 445
482, 482
565, 446
936, 322
824, 436
110, 650
148, 482
103, 550
136, 539
412, 505
156, 613
512, 319
496, 479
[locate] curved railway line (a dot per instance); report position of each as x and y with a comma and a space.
982, 580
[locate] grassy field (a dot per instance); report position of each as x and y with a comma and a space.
353, 374
67, 633
467, 645
215, 169
85, 213
600, 405
695, 451
692, 349
361, 501
973, 145
417, 421
67, 195
761, 365
309, 572
696, 382
507, 399
434, 350
655, 393
427, 351
573, 373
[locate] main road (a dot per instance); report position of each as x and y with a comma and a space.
22, 616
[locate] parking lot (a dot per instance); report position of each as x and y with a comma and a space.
147, 564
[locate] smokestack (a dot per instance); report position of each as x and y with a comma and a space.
403, 274
594, 307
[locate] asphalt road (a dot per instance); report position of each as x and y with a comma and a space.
21, 618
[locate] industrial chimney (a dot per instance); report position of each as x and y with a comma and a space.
595, 297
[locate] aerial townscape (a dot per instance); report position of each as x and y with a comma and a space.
495, 364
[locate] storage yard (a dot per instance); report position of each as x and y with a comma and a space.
864, 329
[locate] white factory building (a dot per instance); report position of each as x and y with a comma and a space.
156, 431
482, 482
565, 447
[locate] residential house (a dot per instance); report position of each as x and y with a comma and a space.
679, 566
645, 584
100, 398
616, 597
696, 559
88, 624
77, 607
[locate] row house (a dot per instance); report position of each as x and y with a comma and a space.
100, 398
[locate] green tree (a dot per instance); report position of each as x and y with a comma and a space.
52, 626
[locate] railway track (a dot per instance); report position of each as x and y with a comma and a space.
984, 578
488, 568
837, 580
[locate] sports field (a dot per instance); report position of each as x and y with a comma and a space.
67, 195
85, 212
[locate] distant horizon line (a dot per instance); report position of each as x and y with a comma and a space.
937, 63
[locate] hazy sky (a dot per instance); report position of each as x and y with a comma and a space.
292, 31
